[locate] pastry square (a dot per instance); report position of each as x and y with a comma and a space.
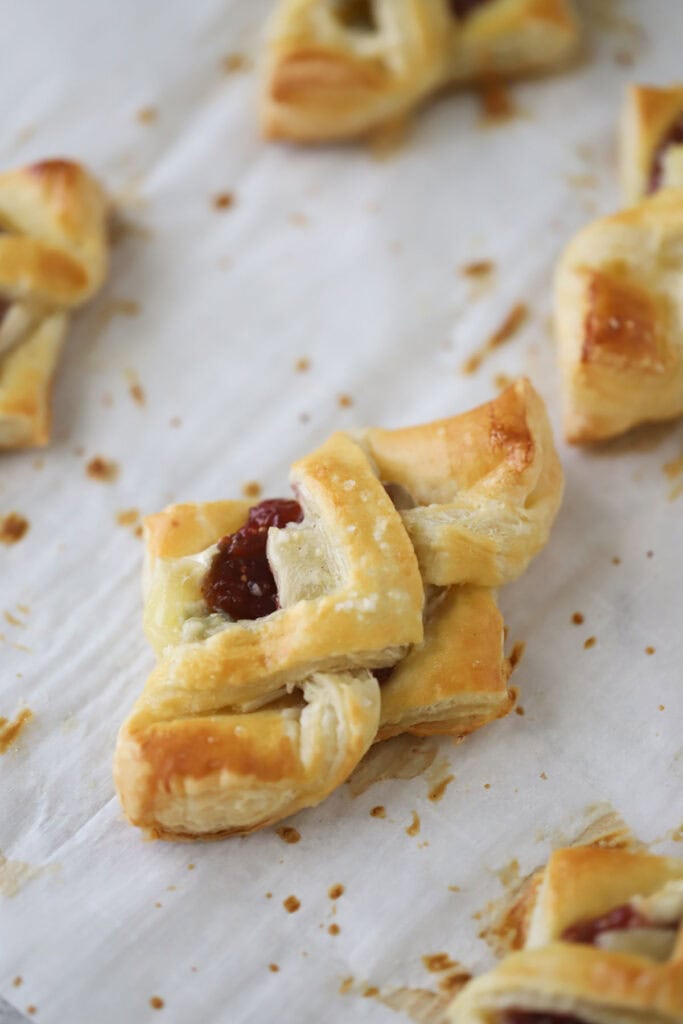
605, 946
276, 626
53, 257
338, 68
651, 140
619, 320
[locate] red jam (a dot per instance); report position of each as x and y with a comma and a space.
673, 137
532, 1017
617, 920
239, 581
463, 8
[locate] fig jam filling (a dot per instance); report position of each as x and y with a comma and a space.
462, 8
620, 919
532, 1017
239, 581
674, 137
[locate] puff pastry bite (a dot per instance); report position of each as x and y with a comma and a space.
604, 946
53, 257
651, 140
292, 635
337, 68
619, 320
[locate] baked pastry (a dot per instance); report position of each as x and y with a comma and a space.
278, 627
337, 68
604, 946
651, 141
619, 322
53, 257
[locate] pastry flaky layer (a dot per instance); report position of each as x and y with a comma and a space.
245, 722
651, 140
604, 945
619, 320
338, 68
53, 257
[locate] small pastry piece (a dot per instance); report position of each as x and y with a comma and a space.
53, 257
619, 320
651, 142
338, 68
270, 621
604, 946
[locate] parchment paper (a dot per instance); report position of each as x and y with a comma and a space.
353, 263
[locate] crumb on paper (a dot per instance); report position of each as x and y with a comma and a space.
516, 654
649, 650
334, 929
335, 891
109, 309
11, 730
191, 867
578, 619
302, 365
414, 827
543, 776
616, 560
31, 1009
156, 1002
12, 620
13, 527
304, 417
590, 642
454, 888
223, 200
175, 422
514, 320
39, 462
147, 115
478, 268
104, 470
232, 63
501, 381
288, 834
378, 812
252, 489
346, 986
274, 968
649, 554
17, 981
130, 518
344, 401
519, 710
291, 904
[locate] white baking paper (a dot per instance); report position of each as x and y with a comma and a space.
351, 262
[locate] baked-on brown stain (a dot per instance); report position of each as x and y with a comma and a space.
251, 489
437, 791
509, 327
104, 470
10, 731
156, 1002
147, 115
288, 834
414, 827
335, 891
291, 904
478, 268
223, 200
624, 323
378, 812
590, 642
12, 528
577, 619
437, 962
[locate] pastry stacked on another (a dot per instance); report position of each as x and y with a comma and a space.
292, 635
338, 68
53, 258
603, 945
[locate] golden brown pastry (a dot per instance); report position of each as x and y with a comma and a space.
53, 257
604, 946
619, 320
337, 68
651, 140
292, 635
